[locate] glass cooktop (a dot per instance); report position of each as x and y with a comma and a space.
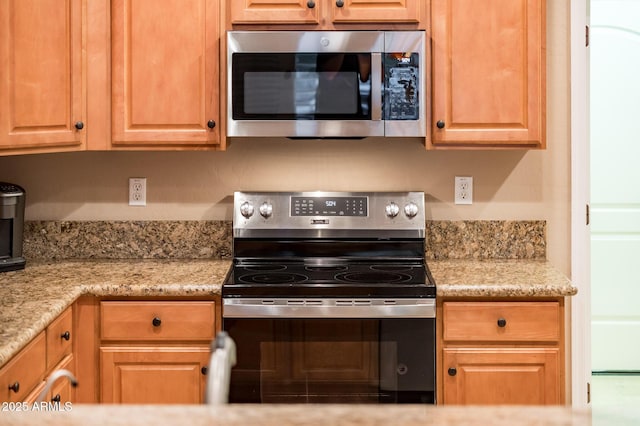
356, 279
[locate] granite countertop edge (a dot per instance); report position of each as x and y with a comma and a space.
29, 302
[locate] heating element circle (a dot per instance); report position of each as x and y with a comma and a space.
373, 277
273, 278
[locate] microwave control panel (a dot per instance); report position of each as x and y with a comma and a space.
401, 86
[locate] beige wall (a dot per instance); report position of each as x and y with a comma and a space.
200, 185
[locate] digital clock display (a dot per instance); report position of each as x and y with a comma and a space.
329, 206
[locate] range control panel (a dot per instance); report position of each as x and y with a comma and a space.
329, 206
292, 214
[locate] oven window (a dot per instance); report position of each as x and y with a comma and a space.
298, 86
5, 238
333, 360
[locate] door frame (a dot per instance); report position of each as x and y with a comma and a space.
580, 233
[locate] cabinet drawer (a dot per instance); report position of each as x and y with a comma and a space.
157, 320
59, 338
24, 371
501, 321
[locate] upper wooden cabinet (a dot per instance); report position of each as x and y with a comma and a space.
42, 77
488, 73
164, 73
324, 13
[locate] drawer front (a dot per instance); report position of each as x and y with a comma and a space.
501, 321
24, 371
157, 320
59, 338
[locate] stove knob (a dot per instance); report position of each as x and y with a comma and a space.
411, 209
266, 209
246, 209
392, 209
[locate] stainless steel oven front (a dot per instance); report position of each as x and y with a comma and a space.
332, 350
329, 299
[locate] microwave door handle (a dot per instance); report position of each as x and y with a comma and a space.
376, 86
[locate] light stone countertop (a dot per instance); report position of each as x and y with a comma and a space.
31, 298
499, 278
306, 415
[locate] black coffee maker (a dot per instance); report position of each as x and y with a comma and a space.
11, 227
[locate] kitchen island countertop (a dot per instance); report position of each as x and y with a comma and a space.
31, 298
300, 414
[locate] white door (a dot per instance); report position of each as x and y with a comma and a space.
615, 184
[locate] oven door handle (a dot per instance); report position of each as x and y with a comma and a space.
329, 308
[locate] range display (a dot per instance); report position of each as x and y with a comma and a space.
328, 206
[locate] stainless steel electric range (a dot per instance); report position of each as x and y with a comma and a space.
330, 299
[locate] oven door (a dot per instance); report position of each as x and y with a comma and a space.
332, 351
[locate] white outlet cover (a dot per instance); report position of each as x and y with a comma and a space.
137, 191
463, 188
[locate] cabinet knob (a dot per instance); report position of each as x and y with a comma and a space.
452, 371
440, 124
66, 336
56, 398
340, 3
311, 4
79, 125
15, 387
502, 322
156, 322
204, 370
211, 124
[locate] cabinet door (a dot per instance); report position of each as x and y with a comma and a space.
41, 75
400, 11
165, 79
24, 371
274, 12
60, 336
488, 73
502, 376
153, 374
62, 391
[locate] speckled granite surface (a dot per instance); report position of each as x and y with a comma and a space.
486, 239
31, 298
300, 414
499, 278
45, 240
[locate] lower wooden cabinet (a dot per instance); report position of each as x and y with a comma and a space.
523, 376
23, 378
155, 351
63, 391
24, 372
501, 352
153, 374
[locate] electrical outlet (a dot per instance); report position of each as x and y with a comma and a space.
463, 190
137, 191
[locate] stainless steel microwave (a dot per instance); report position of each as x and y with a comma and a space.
326, 84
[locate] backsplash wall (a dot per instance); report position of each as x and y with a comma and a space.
55, 240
